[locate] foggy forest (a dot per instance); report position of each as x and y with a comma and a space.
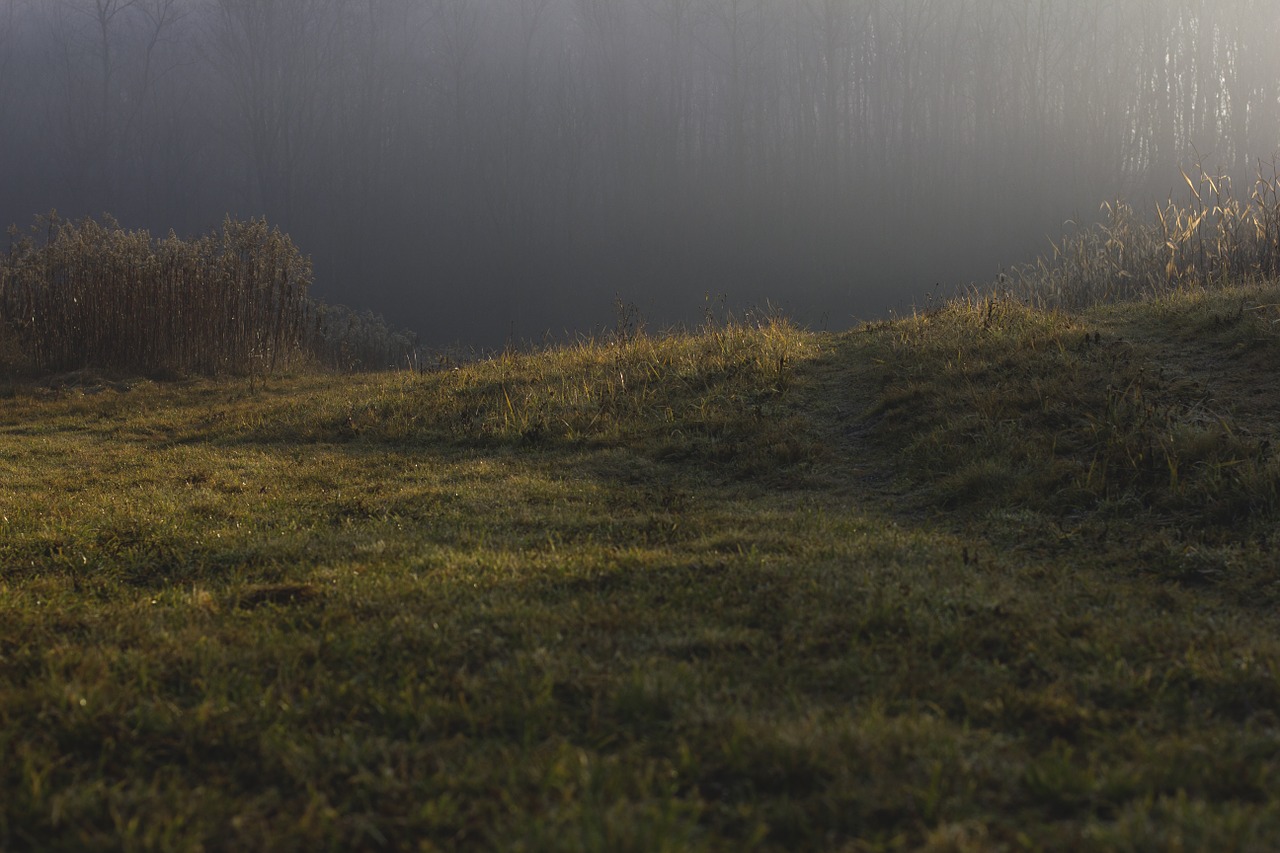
482, 169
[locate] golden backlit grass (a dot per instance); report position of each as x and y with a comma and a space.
1220, 235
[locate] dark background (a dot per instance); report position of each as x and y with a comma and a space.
477, 169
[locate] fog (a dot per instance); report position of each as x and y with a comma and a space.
485, 169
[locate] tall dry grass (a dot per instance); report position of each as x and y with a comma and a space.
93, 294
1212, 238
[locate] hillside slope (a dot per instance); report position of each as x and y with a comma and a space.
1147, 425
983, 578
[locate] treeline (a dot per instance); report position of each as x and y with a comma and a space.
467, 164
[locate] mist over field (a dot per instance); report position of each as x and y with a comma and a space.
480, 169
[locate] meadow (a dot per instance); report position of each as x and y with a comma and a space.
991, 576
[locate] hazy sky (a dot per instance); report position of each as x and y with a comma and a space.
480, 168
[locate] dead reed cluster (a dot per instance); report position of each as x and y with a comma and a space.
1214, 238
89, 294
343, 339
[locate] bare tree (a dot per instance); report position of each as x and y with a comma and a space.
9, 143
8, 31
8, 35
275, 57
90, 122
107, 60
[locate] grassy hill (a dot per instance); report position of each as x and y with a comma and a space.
986, 577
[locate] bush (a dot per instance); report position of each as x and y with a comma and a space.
343, 339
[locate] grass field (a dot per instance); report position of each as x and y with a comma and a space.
982, 578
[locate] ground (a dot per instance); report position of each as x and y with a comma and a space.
980, 578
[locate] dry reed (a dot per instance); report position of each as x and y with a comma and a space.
1213, 239
94, 295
